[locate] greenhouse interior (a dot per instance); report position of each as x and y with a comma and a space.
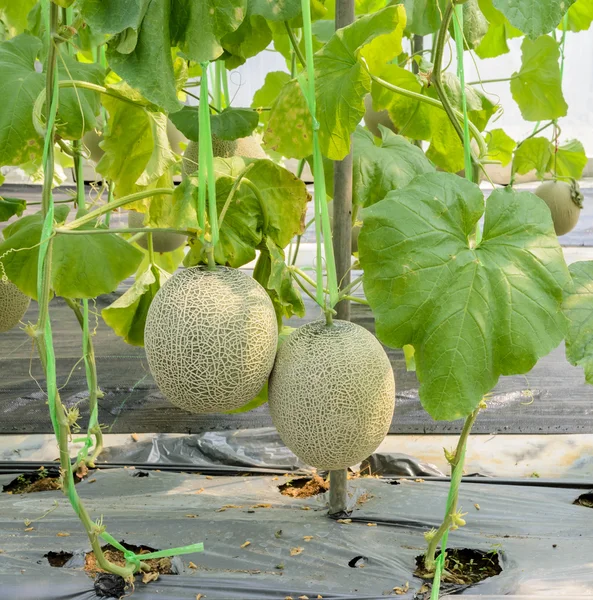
296, 299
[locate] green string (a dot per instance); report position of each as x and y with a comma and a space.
206, 178
322, 223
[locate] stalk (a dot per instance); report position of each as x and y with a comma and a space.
457, 462
294, 43
43, 334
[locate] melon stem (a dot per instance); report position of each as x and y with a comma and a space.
210, 256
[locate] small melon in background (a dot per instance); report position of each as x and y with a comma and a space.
210, 339
162, 241
373, 118
332, 394
248, 147
565, 202
13, 305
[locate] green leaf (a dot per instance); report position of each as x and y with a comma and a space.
230, 124
537, 86
534, 153
341, 79
198, 27
276, 10
83, 266
384, 165
571, 159
78, 108
147, 64
245, 224
534, 17
500, 146
580, 16
127, 315
578, 308
290, 124
11, 206
494, 42
14, 15
365, 7
423, 16
109, 17
471, 313
250, 38
184, 211
267, 94
137, 150
20, 85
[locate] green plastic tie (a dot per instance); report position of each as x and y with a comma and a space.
322, 222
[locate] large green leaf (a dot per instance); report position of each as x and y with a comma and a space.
534, 153
267, 94
342, 81
381, 166
423, 16
11, 206
578, 307
145, 62
109, 17
230, 124
137, 150
20, 85
472, 313
83, 266
580, 16
534, 17
14, 15
198, 27
276, 10
570, 161
249, 39
537, 86
494, 42
500, 146
127, 315
245, 224
289, 124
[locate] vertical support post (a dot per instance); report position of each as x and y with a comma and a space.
417, 46
342, 241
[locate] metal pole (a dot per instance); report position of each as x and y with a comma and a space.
342, 241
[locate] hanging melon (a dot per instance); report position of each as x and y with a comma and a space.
331, 394
162, 241
210, 339
565, 202
13, 305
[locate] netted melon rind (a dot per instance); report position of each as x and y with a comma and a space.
13, 305
162, 241
332, 394
210, 339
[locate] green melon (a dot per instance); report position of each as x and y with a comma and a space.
210, 339
162, 241
331, 394
13, 305
247, 147
565, 202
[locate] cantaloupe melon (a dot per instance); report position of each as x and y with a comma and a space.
13, 305
565, 202
210, 339
247, 146
162, 241
331, 394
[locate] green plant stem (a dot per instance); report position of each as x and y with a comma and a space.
94, 214
485, 81
456, 475
352, 285
260, 199
110, 188
93, 385
150, 248
433, 102
232, 193
137, 230
294, 43
210, 256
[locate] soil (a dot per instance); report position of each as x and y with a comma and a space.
463, 566
585, 500
304, 487
42, 480
162, 566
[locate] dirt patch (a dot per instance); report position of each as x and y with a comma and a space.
463, 566
58, 559
42, 480
585, 500
304, 487
162, 566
